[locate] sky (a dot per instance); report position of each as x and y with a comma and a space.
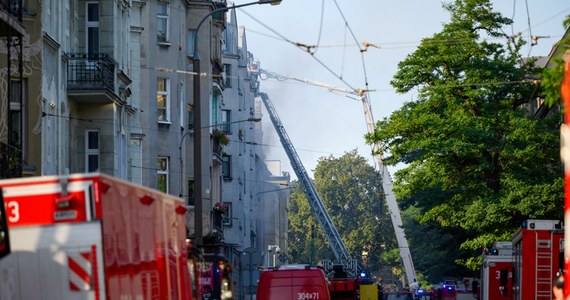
320, 123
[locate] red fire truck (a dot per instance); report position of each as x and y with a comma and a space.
286, 282
526, 267
537, 258
565, 155
496, 273
91, 236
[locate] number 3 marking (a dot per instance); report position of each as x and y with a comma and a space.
13, 212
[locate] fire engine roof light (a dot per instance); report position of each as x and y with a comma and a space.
524, 224
146, 200
181, 209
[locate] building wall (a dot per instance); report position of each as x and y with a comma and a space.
60, 37
235, 186
136, 132
28, 140
162, 60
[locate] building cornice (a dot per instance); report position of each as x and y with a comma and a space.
49, 41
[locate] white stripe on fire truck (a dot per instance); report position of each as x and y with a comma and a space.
80, 270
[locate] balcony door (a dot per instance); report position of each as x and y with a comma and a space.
92, 28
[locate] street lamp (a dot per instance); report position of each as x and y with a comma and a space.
198, 121
273, 249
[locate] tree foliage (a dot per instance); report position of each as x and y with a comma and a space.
351, 191
552, 76
478, 163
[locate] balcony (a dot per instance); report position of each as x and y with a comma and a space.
11, 12
218, 221
91, 78
217, 147
11, 161
219, 140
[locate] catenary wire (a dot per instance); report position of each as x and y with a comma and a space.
320, 27
530, 36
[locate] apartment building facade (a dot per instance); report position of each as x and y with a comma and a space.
20, 76
108, 86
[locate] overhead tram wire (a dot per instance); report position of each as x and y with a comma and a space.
399, 45
308, 48
267, 27
357, 43
530, 36
301, 46
320, 27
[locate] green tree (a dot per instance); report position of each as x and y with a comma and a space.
478, 164
552, 75
351, 191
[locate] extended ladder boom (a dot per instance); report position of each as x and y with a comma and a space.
337, 245
387, 185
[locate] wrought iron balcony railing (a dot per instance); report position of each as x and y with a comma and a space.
90, 72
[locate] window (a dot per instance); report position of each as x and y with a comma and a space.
92, 28
215, 107
92, 150
228, 215
226, 167
227, 77
191, 41
191, 201
15, 130
162, 174
14, 6
226, 119
229, 44
163, 99
162, 16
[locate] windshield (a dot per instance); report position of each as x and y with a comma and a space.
399, 297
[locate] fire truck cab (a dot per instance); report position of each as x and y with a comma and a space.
286, 282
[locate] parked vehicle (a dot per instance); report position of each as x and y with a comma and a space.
496, 273
293, 282
537, 257
399, 295
91, 236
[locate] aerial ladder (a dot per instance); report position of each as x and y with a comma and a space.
339, 249
361, 95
